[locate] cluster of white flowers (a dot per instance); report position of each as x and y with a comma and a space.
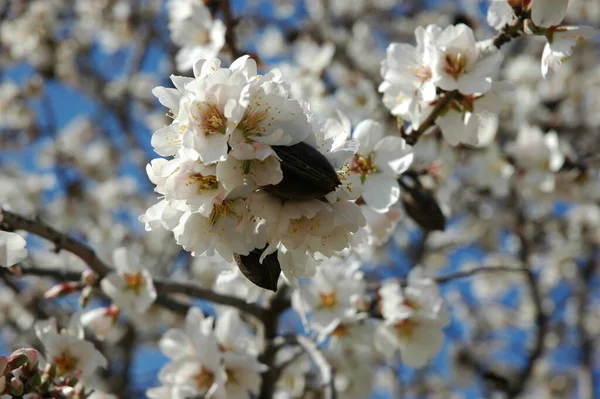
448, 61
194, 30
546, 18
219, 362
335, 303
228, 126
67, 349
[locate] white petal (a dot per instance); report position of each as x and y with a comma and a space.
380, 192
368, 133
393, 155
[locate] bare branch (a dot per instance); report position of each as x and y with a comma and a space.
230, 23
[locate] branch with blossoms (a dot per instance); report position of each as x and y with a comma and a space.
282, 195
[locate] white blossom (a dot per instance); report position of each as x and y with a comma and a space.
414, 318
130, 286
12, 248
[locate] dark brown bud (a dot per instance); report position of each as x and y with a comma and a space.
420, 204
307, 174
265, 274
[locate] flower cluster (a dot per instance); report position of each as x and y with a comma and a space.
238, 145
193, 29
543, 18
69, 360
217, 362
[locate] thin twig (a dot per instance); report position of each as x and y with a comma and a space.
230, 23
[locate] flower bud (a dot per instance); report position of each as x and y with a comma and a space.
17, 360
32, 355
89, 277
265, 274
420, 204
62, 289
16, 387
3, 364
307, 174
49, 372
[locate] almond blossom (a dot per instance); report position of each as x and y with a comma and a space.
413, 319
193, 29
379, 160
459, 63
561, 41
329, 296
68, 351
130, 286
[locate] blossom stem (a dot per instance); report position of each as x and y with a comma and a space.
230, 23
507, 33
412, 137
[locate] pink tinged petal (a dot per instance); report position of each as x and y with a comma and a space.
380, 192
368, 133
168, 97
166, 141
547, 13
393, 155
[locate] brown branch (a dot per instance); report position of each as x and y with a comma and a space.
279, 303
195, 291
13, 221
478, 270
412, 136
230, 23
587, 380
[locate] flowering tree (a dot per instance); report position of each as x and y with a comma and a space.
340, 199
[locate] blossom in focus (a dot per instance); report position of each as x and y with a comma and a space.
12, 248
379, 160
226, 125
193, 28
130, 286
407, 72
413, 319
459, 63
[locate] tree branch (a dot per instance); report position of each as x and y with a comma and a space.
230, 23
14, 221
412, 136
